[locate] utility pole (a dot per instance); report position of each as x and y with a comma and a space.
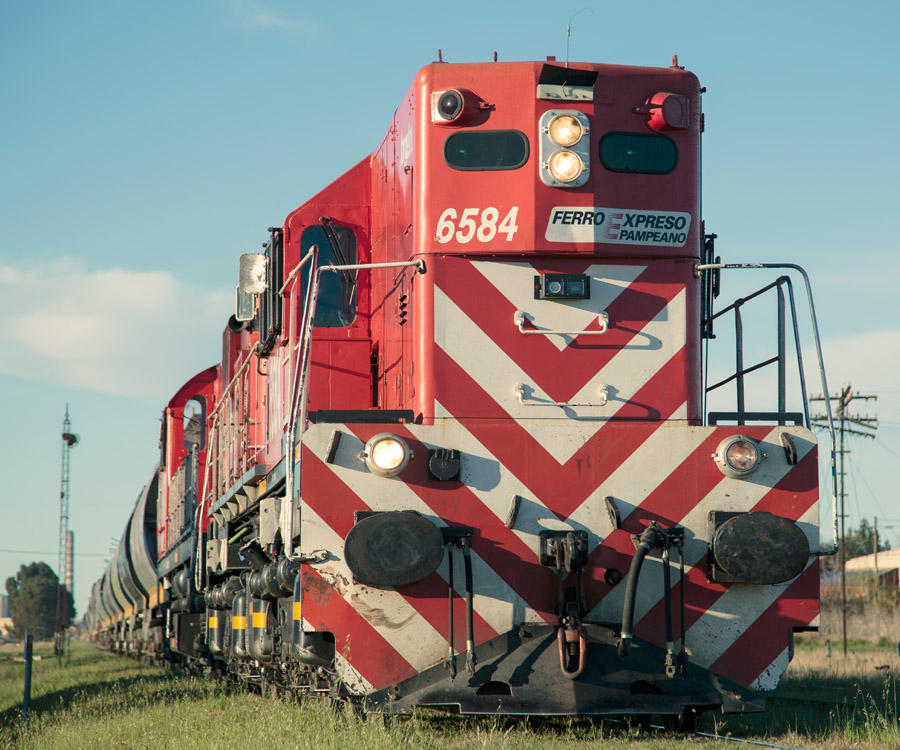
875, 553
842, 415
70, 440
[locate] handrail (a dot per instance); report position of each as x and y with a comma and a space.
520, 317
519, 390
293, 274
741, 371
213, 434
298, 384
815, 328
300, 391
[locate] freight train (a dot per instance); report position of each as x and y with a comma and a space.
464, 448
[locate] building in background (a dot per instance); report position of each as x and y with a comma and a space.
885, 565
6, 622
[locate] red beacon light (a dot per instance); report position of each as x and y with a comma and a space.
667, 112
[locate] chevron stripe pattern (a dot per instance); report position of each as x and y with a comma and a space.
640, 449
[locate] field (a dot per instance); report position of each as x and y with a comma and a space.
98, 700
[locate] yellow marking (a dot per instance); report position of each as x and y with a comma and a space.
213, 622
297, 609
259, 619
238, 623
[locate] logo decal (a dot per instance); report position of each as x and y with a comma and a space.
620, 226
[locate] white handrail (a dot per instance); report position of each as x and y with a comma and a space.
520, 317
519, 390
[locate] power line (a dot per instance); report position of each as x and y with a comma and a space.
41, 552
862, 423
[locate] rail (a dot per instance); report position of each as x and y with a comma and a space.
741, 415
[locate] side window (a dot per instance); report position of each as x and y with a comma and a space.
336, 304
195, 423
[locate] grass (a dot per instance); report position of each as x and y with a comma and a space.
99, 701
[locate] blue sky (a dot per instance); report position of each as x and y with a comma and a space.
144, 147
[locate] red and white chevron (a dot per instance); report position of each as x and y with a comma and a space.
641, 448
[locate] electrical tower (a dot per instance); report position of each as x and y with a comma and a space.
70, 440
842, 415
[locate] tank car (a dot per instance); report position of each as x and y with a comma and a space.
461, 449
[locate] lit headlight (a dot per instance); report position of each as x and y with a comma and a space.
386, 455
565, 166
564, 158
738, 456
565, 130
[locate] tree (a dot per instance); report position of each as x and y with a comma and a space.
857, 543
32, 600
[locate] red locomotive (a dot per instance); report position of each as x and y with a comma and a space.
459, 450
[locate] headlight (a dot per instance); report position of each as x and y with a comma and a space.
565, 145
738, 456
450, 105
565, 166
565, 130
386, 455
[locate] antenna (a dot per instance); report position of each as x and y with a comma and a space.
569, 31
70, 440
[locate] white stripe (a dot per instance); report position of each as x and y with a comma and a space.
488, 365
667, 448
771, 675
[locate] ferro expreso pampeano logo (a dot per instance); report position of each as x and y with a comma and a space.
623, 226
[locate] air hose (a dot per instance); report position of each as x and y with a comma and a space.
647, 541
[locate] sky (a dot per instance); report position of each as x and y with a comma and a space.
144, 147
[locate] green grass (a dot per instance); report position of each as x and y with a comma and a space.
858, 645
97, 700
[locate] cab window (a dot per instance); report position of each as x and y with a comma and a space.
485, 150
638, 153
336, 304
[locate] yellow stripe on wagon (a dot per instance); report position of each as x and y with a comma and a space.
239, 622
213, 622
297, 610
259, 619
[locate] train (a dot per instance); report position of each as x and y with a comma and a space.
465, 448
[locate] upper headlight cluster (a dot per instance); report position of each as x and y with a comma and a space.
565, 148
